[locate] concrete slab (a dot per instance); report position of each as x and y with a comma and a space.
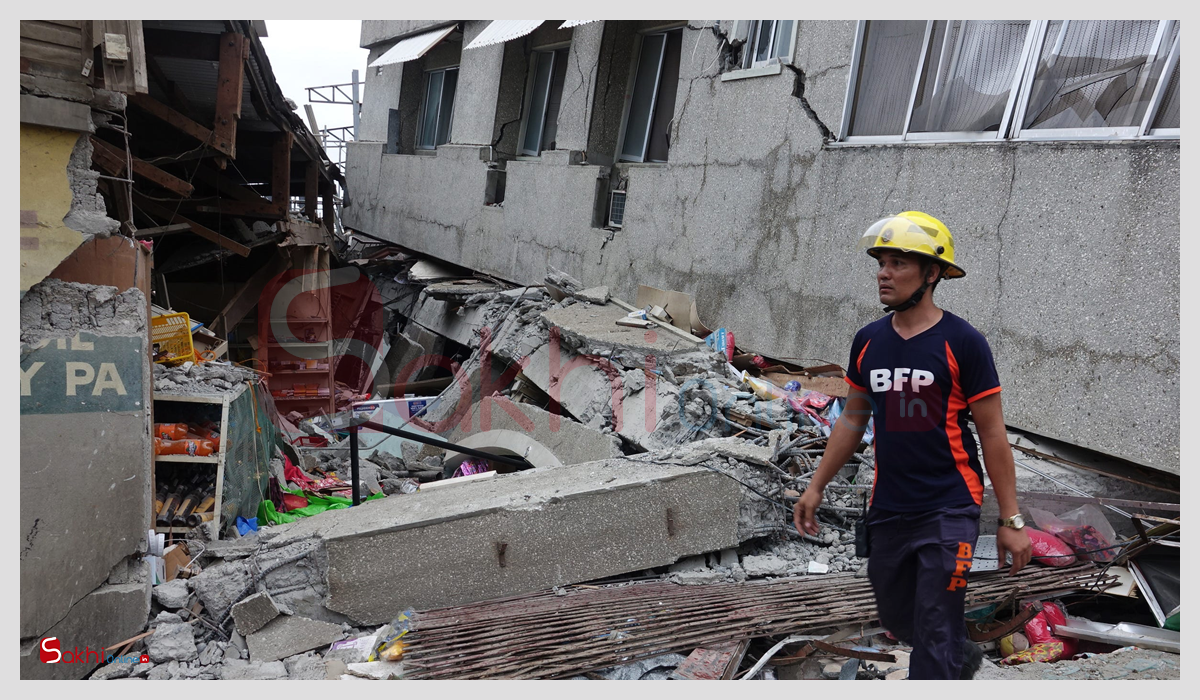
108, 614
500, 426
288, 635
252, 613
597, 324
519, 532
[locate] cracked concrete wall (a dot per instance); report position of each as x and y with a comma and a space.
60, 208
756, 217
85, 461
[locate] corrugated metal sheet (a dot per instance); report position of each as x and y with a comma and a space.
576, 23
502, 30
412, 47
197, 80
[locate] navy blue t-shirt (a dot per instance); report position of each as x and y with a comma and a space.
920, 391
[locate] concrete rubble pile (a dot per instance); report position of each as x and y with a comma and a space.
639, 474
203, 378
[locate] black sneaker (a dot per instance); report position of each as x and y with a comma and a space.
972, 660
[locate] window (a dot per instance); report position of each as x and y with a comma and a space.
960, 80
548, 72
769, 40
437, 108
652, 103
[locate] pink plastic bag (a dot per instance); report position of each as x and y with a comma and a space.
1084, 529
1048, 550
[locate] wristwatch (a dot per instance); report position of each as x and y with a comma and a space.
1016, 522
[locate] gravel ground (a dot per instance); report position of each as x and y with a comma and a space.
1125, 663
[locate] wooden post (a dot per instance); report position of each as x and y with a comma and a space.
281, 172
327, 208
311, 180
233, 52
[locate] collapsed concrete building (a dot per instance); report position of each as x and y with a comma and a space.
737, 161
559, 440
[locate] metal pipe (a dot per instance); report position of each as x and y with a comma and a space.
354, 464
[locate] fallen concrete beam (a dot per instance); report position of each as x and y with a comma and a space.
517, 533
287, 635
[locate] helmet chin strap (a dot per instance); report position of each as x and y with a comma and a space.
912, 301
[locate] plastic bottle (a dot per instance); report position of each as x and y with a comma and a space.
170, 431
193, 447
769, 392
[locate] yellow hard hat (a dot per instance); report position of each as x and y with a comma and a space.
913, 232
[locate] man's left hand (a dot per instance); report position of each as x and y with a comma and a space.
1016, 543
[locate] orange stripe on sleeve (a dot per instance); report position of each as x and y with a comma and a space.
862, 389
858, 362
954, 404
983, 394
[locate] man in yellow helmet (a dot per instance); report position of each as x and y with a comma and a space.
921, 372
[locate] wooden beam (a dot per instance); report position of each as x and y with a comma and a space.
311, 179
327, 209
128, 76
262, 209
249, 295
234, 50
223, 185
180, 121
111, 159
155, 231
281, 171
171, 217
179, 101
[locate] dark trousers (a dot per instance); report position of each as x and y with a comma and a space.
918, 568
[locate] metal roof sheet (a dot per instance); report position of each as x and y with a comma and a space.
502, 30
412, 47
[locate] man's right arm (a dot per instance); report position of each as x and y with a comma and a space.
843, 442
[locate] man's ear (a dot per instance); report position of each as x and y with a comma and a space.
937, 268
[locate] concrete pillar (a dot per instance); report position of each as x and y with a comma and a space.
478, 89
579, 89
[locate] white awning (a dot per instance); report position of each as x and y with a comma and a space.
502, 30
412, 47
576, 23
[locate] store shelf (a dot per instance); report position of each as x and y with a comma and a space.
212, 459
300, 343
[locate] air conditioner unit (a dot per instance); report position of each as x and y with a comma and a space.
616, 208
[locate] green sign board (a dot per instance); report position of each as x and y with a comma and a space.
84, 374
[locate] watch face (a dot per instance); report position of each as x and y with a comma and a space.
1018, 522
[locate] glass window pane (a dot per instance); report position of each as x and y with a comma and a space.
783, 38
637, 125
891, 51
550, 131
429, 119
1168, 111
664, 106
537, 102
762, 44
446, 116
968, 75
1092, 74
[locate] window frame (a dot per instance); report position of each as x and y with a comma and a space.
428, 75
1018, 98
751, 45
530, 84
631, 85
